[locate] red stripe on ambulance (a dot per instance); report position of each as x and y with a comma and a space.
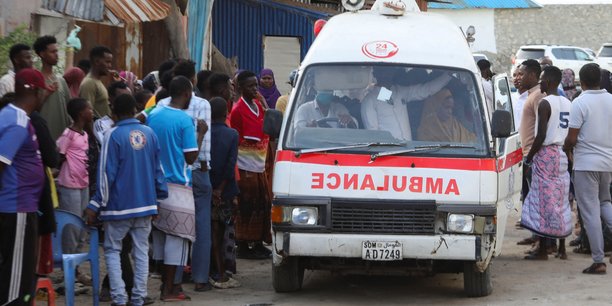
363, 160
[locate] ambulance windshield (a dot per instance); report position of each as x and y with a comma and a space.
345, 105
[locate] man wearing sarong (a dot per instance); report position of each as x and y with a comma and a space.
175, 225
546, 210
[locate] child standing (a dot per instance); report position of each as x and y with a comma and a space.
253, 216
73, 179
223, 156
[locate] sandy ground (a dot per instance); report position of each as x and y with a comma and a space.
515, 281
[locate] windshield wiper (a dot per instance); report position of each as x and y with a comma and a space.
374, 156
353, 146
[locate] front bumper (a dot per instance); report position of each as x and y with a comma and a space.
436, 247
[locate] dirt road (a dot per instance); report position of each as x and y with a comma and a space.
516, 282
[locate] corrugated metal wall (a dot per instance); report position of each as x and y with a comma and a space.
239, 26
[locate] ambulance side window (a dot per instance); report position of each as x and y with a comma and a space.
502, 96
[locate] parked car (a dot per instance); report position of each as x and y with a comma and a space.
604, 56
562, 56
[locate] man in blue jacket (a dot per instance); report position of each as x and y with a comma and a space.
130, 181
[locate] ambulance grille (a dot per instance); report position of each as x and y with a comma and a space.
380, 218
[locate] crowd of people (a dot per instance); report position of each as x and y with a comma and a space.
173, 168
567, 151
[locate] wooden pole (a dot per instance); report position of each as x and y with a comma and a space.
422, 5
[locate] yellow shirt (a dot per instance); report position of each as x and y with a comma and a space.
281, 103
150, 102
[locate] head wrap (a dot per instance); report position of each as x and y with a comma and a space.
271, 94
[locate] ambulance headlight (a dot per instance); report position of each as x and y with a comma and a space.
304, 216
460, 223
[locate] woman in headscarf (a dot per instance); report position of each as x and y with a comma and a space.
439, 123
74, 76
567, 81
267, 87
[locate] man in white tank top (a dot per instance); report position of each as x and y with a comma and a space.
546, 210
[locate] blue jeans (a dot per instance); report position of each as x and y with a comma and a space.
200, 258
115, 231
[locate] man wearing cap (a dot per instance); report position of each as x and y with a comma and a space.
21, 184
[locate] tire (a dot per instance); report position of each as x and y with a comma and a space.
288, 276
475, 283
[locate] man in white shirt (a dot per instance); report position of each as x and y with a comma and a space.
21, 57
326, 106
546, 210
486, 76
519, 102
590, 138
385, 107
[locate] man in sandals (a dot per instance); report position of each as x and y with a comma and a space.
589, 133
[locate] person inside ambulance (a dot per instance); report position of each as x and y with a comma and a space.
385, 107
439, 122
324, 111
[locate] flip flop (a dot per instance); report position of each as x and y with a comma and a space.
175, 297
595, 269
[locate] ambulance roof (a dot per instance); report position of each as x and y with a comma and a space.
414, 38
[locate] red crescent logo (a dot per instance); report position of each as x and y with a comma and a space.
379, 49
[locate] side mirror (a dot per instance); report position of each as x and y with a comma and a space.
501, 125
273, 120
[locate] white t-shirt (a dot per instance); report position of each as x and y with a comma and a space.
101, 126
591, 112
518, 108
392, 114
559, 120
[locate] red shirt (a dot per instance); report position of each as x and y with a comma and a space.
253, 143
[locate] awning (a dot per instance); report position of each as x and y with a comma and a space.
134, 11
114, 11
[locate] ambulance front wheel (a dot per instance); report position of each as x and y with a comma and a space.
476, 283
288, 275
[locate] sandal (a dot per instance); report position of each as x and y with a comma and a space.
175, 297
596, 268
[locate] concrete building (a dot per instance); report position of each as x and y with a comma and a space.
502, 26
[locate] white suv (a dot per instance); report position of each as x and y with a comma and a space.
604, 56
561, 56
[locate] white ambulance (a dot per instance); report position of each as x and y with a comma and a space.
390, 160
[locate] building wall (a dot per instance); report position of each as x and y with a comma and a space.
483, 21
238, 28
16, 12
579, 25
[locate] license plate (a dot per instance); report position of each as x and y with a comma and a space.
381, 250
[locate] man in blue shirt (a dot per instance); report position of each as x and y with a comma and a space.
21, 184
179, 149
130, 181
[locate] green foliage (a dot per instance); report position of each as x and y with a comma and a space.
21, 34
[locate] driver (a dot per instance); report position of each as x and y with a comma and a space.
325, 106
